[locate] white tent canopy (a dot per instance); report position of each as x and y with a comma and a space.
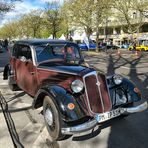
76, 37
50, 37
62, 37
85, 39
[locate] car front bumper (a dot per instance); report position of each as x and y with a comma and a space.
99, 118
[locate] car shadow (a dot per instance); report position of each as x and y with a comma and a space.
132, 131
16, 96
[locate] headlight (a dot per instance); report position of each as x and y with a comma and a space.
117, 79
77, 86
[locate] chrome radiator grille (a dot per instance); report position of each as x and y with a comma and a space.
96, 93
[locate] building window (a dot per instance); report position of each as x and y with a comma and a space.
101, 31
144, 28
118, 30
109, 31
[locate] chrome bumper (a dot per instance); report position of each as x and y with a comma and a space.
80, 128
136, 109
91, 124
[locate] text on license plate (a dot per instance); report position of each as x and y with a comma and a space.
109, 115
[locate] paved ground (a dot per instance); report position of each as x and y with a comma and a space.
130, 132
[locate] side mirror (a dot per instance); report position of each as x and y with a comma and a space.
23, 59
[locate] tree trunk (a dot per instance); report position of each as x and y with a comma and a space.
97, 39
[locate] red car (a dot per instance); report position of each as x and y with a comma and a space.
74, 96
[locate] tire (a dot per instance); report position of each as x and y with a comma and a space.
53, 126
142, 49
130, 49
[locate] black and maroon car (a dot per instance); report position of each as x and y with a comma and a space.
74, 96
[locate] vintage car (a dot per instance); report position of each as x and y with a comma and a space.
74, 96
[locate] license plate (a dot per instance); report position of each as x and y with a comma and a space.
109, 115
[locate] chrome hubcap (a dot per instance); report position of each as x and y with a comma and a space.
49, 117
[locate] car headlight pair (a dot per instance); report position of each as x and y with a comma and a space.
117, 79
77, 86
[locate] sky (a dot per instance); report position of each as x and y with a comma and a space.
25, 6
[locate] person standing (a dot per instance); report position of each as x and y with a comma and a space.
6, 44
134, 46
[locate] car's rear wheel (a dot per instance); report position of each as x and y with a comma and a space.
142, 49
53, 120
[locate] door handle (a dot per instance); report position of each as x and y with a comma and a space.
32, 73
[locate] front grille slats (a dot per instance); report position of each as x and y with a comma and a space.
97, 93
93, 94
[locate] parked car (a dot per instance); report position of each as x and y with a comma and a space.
125, 46
105, 46
138, 47
83, 46
74, 96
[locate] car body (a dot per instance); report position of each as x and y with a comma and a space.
125, 46
105, 46
83, 46
74, 96
139, 47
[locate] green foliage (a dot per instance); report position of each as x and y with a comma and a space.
53, 18
87, 14
129, 14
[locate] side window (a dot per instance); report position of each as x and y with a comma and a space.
15, 50
24, 51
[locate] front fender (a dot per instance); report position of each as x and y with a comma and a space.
61, 99
128, 88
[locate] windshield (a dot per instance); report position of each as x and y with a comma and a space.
57, 53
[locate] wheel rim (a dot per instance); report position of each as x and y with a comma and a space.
49, 117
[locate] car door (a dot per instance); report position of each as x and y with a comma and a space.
25, 71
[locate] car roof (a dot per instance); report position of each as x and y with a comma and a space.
36, 42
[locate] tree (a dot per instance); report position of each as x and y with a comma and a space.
53, 18
30, 24
80, 14
65, 22
34, 22
102, 10
6, 5
9, 30
128, 13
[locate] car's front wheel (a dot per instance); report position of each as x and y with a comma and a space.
53, 120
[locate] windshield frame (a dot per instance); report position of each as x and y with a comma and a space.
65, 45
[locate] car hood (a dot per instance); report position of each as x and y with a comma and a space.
74, 70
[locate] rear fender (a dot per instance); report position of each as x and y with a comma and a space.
61, 99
